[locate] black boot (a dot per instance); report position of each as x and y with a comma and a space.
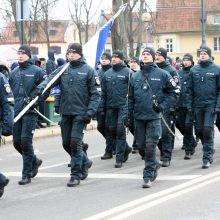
127, 152
36, 165
85, 170
3, 185
73, 182
106, 156
118, 164
24, 181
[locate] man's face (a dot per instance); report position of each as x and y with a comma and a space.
187, 63
133, 65
104, 61
146, 57
115, 60
22, 57
71, 56
43, 63
159, 58
203, 56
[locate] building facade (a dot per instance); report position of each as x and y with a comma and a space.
178, 27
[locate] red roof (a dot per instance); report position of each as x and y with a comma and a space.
182, 16
58, 27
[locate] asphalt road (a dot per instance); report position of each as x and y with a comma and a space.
182, 191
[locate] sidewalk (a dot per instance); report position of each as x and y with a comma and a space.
51, 131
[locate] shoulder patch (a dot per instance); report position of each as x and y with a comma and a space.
97, 80
7, 88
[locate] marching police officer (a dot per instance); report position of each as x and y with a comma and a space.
79, 101
23, 81
113, 99
166, 142
145, 102
134, 64
6, 118
203, 101
184, 121
105, 62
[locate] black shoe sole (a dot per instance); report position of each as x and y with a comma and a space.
24, 183
106, 158
73, 185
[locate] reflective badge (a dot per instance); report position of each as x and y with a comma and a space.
145, 86
97, 80
7, 88
173, 82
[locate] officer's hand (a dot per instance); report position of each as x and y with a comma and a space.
157, 108
57, 109
189, 110
6, 132
87, 118
217, 110
102, 113
38, 91
172, 111
127, 122
35, 105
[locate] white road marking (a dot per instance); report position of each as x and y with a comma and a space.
148, 205
61, 164
109, 176
176, 190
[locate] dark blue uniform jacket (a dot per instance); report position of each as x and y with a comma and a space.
204, 86
140, 101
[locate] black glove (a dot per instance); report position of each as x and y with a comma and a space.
38, 91
127, 122
172, 111
189, 111
6, 132
35, 105
57, 109
102, 113
157, 108
217, 110
86, 118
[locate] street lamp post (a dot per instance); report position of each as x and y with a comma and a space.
146, 17
203, 21
22, 22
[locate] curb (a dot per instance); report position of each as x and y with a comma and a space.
51, 131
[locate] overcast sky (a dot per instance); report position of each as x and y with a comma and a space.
62, 12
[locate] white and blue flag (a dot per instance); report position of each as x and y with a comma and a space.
93, 49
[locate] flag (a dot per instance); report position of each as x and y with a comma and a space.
93, 49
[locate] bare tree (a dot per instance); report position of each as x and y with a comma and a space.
12, 5
118, 31
127, 30
82, 15
46, 7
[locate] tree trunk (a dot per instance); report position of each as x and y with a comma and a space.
118, 32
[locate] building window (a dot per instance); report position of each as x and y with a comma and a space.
169, 45
217, 19
216, 43
108, 51
57, 49
35, 50
52, 32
